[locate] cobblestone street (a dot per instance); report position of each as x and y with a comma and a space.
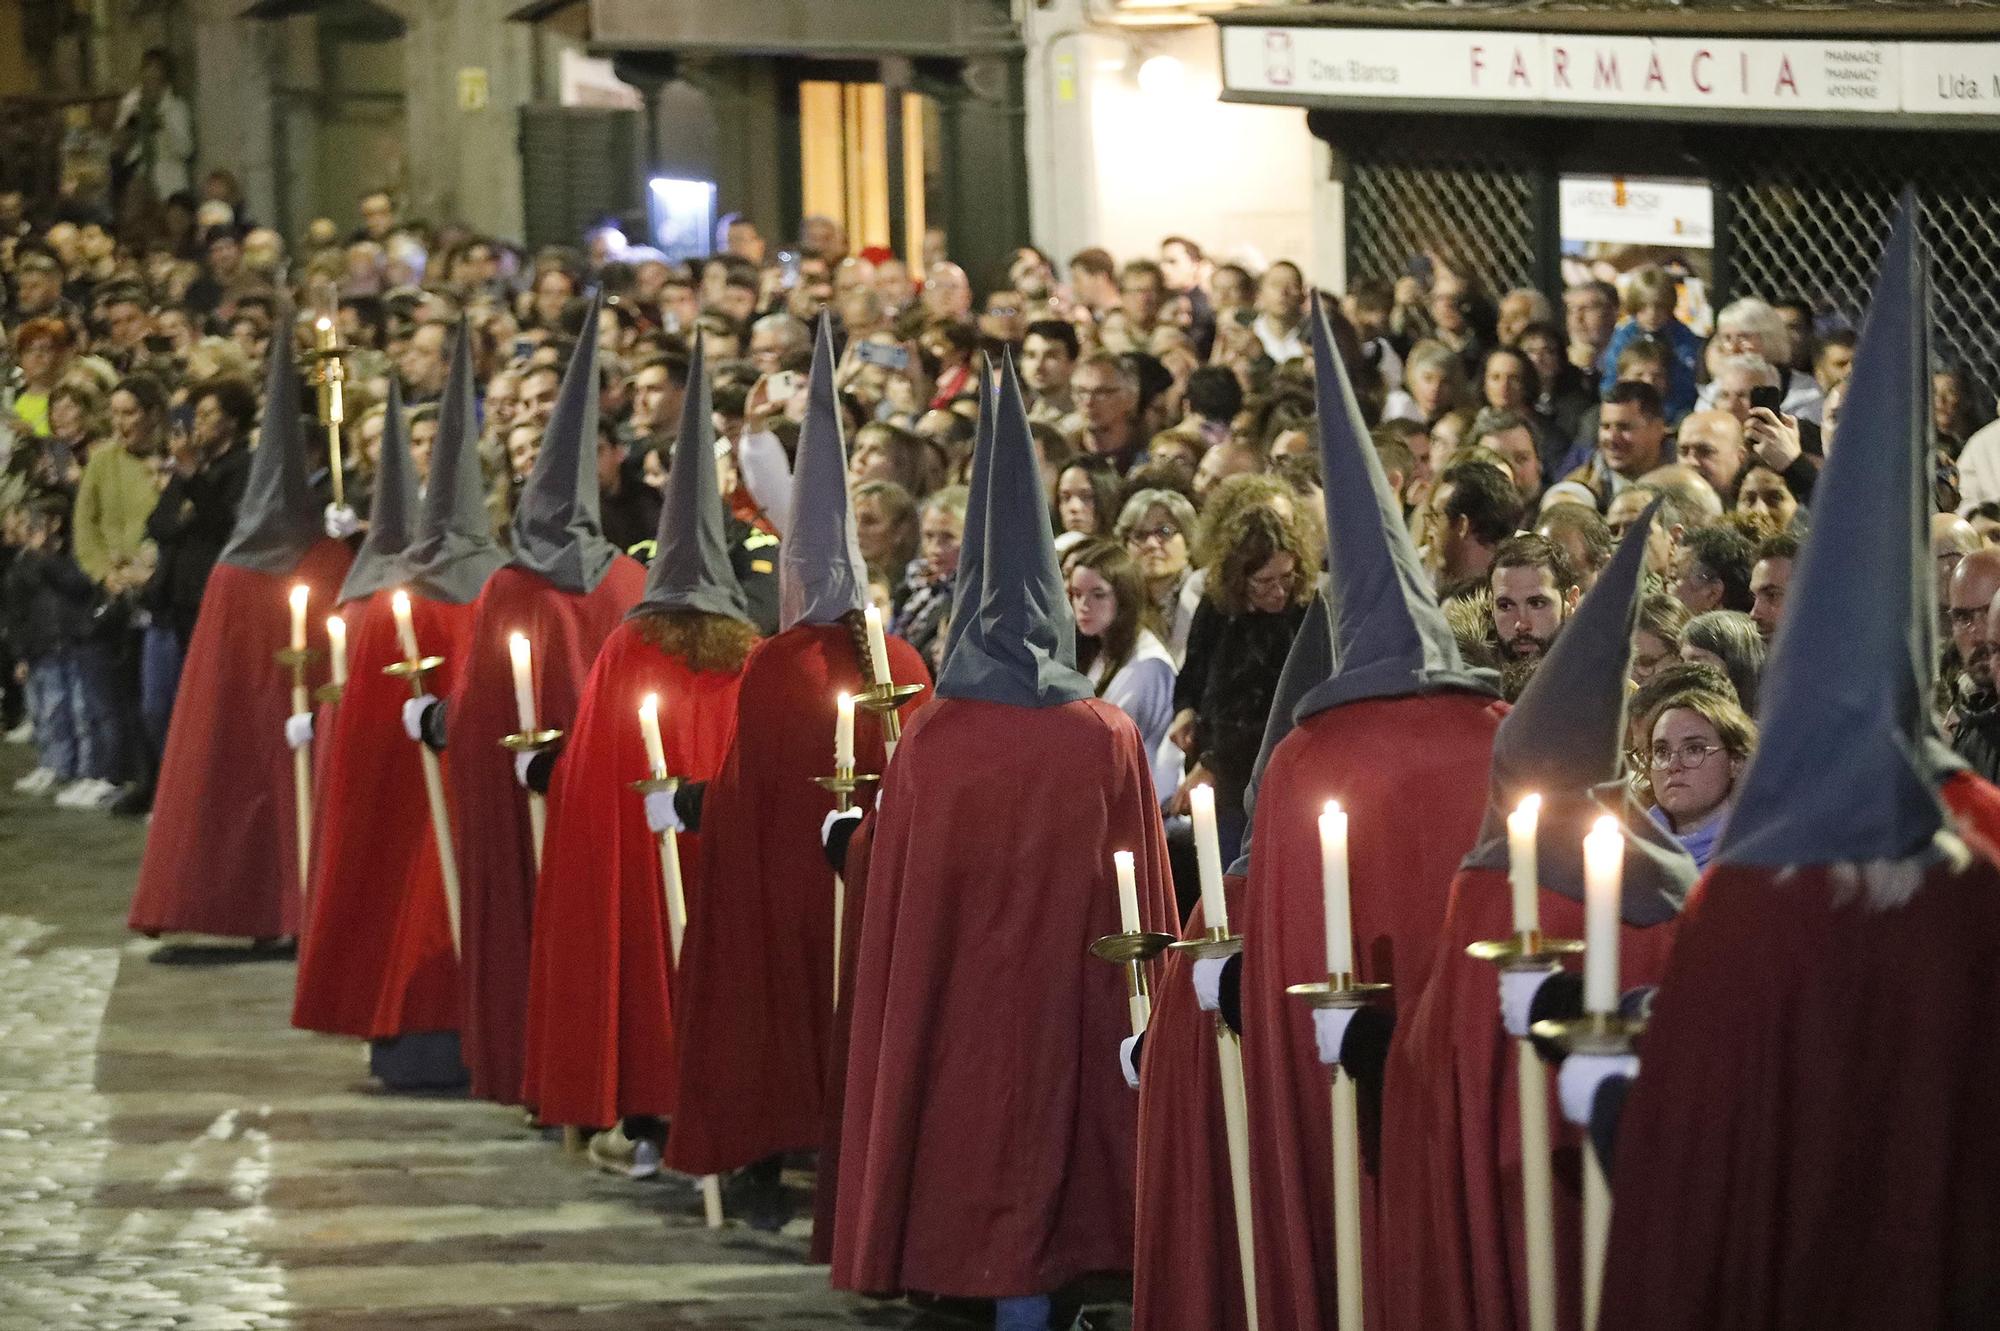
174, 1155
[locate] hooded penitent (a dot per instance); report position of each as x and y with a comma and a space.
237, 875
600, 1043
1182, 1276
1401, 735
453, 552
392, 510
1809, 1142
565, 589
982, 1157
753, 1001
1450, 1125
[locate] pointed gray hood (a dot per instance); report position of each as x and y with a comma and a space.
691, 569
1845, 770
821, 575
279, 518
454, 552
1390, 638
557, 530
392, 512
1018, 644
972, 544
1565, 739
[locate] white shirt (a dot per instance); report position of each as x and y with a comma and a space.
1979, 469
1143, 689
173, 142
1280, 344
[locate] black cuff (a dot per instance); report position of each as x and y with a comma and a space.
1636, 1004
542, 770
1800, 478
1364, 1050
431, 726
1229, 994
688, 797
1606, 1111
1139, 1053
837, 838
1559, 999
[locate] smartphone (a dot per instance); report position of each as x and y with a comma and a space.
1769, 398
886, 354
524, 347
788, 266
778, 389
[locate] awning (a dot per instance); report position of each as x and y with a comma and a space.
847, 29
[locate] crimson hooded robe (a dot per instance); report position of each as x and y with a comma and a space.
489, 810
1411, 772
1810, 1144
1451, 1128
222, 851
369, 964
600, 1031
988, 1147
1185, 1272
754, 1003
826, 1168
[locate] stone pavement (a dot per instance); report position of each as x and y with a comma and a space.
174, 1155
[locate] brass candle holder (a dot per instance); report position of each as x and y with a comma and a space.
329, 375
296, 659
413, 669
1338, 990
1525, 951
329, 692
529, 741
1592, 1033
844, 782
654, 784
1216, 942
1132, 951
886, 700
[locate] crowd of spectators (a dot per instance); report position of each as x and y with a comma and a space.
1173, 413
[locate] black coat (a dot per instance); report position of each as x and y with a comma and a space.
192, 523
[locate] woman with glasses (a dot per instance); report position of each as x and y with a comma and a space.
1118, 651
1156, 528
1701, 742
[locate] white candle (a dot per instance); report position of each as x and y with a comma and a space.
336, 637
300, 593
1333, 881
406, 633
1128, 891
878, 647
524, 681
1521, 868
1208, 857
649, 726
843, 732
1603, 870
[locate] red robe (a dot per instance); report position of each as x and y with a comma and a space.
826, 1169
754, 1003
1810, 1143
371, 963
1451, 1134
1185, 1272
1412, 774
989, 1141
489, 810
1975, 803
600, 1036
222, 852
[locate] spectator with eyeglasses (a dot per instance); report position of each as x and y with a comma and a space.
1157, 527
1701, 741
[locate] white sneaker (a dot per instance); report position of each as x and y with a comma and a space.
106, 792
82, 793
36, 782
21, 734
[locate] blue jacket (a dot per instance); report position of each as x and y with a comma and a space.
1683, 365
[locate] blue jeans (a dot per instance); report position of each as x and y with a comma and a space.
159, 680
75, 725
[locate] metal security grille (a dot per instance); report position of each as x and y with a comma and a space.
1478, 214
1807, 215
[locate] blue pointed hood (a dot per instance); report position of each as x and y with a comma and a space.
278, 519
821, 575
690, 568
557, 530
454, 552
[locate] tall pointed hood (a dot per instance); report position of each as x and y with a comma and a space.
1307, 665
1564, 740
392, 513
691, 569
557, 531
972, 543
1390, 638
279, 517
1844, 770
454, 552
821, 575
1018, 644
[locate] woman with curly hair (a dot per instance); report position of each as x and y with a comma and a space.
1263, 565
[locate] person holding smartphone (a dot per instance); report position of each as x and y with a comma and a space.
1750, 389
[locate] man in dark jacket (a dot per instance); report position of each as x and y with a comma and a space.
1976, 737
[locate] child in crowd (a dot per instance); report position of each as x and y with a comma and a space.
50, 604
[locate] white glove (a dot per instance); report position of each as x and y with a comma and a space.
1207, 972
521, 761
1517, 998
341, 521
1126, 1047
661, 815
835, 816
1581, 1076
299, 729
1330, 1031
413, 715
